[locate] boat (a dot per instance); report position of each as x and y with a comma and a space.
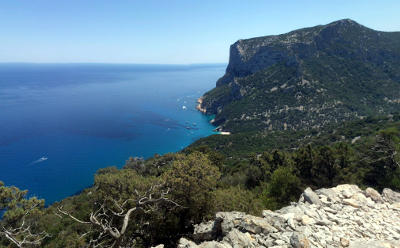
42, 159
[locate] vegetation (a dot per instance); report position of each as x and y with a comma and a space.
307, 79
158, 200
19, 224
297, 124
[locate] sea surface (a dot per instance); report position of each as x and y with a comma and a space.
59, 123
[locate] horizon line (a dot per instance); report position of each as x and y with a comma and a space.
119, 63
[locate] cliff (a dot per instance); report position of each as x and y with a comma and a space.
307, 78
343, 216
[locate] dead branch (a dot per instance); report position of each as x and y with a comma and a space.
102, 219
22, 235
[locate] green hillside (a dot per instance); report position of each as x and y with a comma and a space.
308, 78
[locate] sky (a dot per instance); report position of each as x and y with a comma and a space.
164, 31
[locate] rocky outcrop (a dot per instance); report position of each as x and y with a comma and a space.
198, 106
343, 216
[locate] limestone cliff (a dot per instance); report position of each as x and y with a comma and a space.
308, 78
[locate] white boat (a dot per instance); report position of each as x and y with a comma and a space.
42, 159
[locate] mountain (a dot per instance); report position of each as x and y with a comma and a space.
307, 78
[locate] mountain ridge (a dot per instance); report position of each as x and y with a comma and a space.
318, 75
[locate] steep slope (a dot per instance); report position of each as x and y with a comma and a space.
343, 216
307, 78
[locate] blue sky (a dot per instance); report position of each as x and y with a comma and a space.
164, 31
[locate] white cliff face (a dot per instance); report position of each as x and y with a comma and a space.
343, 216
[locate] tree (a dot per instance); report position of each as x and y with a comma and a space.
304, 159
109, 223
345, 164
192, 179
283, 188
381, 158
18, 225
324, 168
236, 198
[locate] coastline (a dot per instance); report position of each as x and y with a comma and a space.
198, 106
204, 111
102, 133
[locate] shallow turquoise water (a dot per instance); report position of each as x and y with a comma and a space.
83, 117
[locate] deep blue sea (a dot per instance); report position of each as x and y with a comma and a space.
59, 123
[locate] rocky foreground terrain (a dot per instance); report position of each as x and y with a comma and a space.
343, 216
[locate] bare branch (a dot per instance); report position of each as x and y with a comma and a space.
102, 219
71, 216
23, 231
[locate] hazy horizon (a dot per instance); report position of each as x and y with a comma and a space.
159, 32
116, 63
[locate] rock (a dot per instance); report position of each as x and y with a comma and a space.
347, 190
347, 194
275, 219
391, 196
256, 225
228, 220
344, 242
330, 210
373, 194
323, 222
288, 216
351, 202
375, 244
330, 194
310, 196
298, 240
289, 209
206, 231
238, 239
280, 242
184, 243
360, 198
269, 214
306, 220
291, 223
345, 217
214, 244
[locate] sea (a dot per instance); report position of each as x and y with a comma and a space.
60, 123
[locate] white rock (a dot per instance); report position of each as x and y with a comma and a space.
351, 202
391, 196
310, 196
374, 195
346, 216
306, 220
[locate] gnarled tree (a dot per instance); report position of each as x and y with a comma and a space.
18, 225
382, 160
110, 221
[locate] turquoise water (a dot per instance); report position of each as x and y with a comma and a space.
59, 123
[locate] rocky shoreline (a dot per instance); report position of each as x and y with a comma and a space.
343, 216
198, 106
204, 111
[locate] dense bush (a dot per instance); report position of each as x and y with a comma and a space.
283, 187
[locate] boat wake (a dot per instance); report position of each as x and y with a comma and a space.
42, 159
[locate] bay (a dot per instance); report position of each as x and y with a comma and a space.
59, 123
